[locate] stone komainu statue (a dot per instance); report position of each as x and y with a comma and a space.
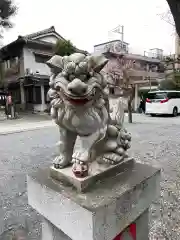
80, 107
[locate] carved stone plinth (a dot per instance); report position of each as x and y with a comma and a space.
102, 213
97, 172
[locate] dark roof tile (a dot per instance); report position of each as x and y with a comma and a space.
42, 32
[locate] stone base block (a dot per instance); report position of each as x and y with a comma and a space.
140, 226
103, 212
50, 232
97, 172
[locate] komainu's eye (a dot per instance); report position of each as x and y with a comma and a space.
64, 74
83, 66
70, 67
71, 77
83, 77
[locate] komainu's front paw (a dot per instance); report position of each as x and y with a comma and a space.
61, 162
80, 169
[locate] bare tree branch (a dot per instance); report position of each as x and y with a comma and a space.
120, 79
167, 17
175, 10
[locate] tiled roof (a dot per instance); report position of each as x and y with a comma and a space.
109, 42
31, 38
43, 32
134, 57
143, 58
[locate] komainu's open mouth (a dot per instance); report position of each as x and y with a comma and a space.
79, 100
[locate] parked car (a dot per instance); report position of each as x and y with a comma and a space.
163, 102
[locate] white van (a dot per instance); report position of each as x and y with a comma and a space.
163, 102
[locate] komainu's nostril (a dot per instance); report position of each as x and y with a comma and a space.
84, 90
77, 87
70, 89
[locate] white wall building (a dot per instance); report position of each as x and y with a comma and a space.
26, 74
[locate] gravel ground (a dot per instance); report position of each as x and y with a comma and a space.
159, 145
156, 141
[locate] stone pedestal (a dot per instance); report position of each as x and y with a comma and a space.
97, 172
114, 208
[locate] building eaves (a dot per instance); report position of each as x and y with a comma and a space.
143, 58
22, 40
39, 76
43, 32
38, 52
38, 42
133, 57
109, 42
17, 41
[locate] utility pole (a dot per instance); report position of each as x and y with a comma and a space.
150, 83
120, 30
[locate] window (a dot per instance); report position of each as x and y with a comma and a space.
161, 95
11, 63
172, 95
178, 94
41, 58
124, 47
153, 68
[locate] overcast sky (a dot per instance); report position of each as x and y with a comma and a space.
87, 23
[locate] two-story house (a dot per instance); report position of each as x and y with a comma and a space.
25, 73
144, 72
